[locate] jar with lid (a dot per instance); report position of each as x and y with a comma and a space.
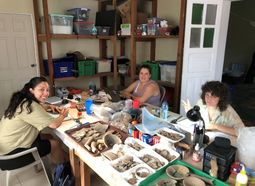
196, 154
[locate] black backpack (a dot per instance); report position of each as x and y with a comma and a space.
63, 175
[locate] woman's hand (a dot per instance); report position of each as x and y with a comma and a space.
63, 112
52, 108
211, 126
187, 106
126, 95
58, 121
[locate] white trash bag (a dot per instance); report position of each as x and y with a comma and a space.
245, 146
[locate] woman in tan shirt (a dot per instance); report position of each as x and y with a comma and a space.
22, 122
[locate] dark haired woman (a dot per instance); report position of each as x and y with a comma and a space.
215, 109
22, 122
145, 90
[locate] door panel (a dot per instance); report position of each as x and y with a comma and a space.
17, 54
200, 63
205, 34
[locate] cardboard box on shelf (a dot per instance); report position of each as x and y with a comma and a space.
124, 8
141, 18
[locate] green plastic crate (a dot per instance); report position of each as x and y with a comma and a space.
161, 174
154, 69
87, 68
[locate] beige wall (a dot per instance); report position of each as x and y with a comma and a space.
166, 49
14, 6
241, 35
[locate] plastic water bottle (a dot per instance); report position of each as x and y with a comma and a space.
94, 30
196, 154
92, 88
242, 178
164, 110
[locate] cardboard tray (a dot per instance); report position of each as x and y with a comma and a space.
161, 174
120, 133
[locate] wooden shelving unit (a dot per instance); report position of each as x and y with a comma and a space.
152, 39
47, 38
102, 5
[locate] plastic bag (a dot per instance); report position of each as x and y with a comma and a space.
245, 146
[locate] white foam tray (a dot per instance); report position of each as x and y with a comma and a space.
154, 154
164, 147
131, 140
170, 131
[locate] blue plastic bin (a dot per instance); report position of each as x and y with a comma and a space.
63, 67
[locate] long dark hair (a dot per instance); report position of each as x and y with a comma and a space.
217, 89
23, 96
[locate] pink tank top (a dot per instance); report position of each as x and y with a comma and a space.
153, 100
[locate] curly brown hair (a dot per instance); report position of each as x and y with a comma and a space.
219, 90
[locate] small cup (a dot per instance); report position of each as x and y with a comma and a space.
88, 104
136, 104
128, 103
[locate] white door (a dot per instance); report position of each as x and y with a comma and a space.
204, 45
17, 51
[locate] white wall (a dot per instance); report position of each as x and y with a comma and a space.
241, 35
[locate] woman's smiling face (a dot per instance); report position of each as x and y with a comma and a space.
144, 75
41, 91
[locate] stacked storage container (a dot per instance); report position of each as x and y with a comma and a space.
87, 67
63, 67
154, 69
61, 24
104, 65
167, 71
81, 26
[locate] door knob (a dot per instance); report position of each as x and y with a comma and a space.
33, 65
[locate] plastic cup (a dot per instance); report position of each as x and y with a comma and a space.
128, 103
88, 104
136, 104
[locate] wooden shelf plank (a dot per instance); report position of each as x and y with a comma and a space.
65, 78
102, 74
106, 37
41, 37
157, 37
86, 37
166, 83
63, 36
149, 38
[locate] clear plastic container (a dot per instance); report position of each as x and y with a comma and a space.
167, 72
151, 29
122, 68
83, 27
61, 24
104, 66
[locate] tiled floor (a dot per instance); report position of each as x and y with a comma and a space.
31, 178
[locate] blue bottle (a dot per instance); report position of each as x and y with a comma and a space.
94, 30
164, 110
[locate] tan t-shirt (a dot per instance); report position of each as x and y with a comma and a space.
22, 130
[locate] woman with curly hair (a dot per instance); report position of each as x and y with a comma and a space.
22, 122
215, 109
